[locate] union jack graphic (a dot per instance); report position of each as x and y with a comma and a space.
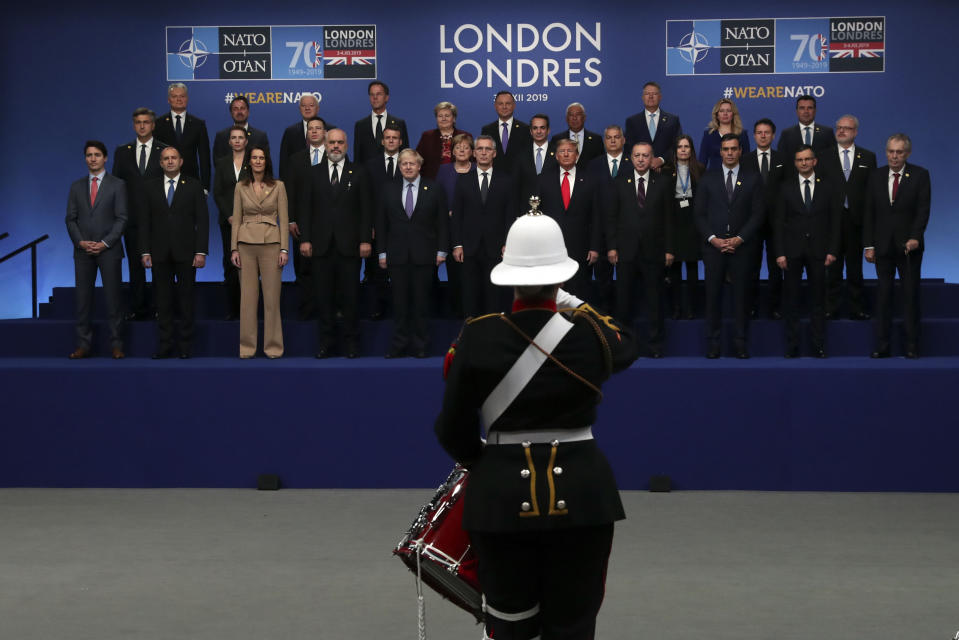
317, 54
349, 57
823, 46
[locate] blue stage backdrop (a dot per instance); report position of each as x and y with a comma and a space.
75, 73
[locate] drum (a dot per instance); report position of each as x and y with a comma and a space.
437, 549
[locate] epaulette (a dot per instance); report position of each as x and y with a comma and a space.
586, 309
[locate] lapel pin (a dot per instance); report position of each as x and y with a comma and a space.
425, 188
182, 181
738, 183
629, 180
907, 175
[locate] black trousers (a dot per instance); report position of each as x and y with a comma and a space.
603, 273
411, 306
480, 296
85, 274
138, 274
775, 277
336, 279
683, 294
174, 281
738, 266
851, 258
816, 277
909, 267
652, 273
305, 286
579, 284
554, 581
231, 275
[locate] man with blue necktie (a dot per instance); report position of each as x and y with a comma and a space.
653, 125
512, 136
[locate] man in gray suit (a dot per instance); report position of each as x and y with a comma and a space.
96, 217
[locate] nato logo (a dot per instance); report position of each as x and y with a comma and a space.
692, 47
191, 53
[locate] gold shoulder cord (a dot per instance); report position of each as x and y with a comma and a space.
560, 364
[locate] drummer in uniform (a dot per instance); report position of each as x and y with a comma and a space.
541, 498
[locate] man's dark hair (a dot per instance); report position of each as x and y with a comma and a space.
764, 121
541, 116
804, 147
96, 144
805, 97
239, 98
386, 88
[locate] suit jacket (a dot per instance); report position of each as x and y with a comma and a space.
582, 222
338, 217
473, 222
523, 170
294, 139
430, 147
777, 170
887, 227
817, 229
667, 130
630, 228
194, 146
176, 232
417, 238
224, 186
519, 139
854, 189
717, 215
254, 137
296, 175
365, 144
790, 140
260, 219
104, 221
592, 146
126, 167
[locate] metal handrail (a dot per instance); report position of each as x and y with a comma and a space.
32, 246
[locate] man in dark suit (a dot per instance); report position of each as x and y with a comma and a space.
770, 166
512, 136
729, 213
806, 224
572, 198
604, 169
136, 163
818, 136
894, 223
295, 137
484, 206
187, 133
240, 112
638, 239
224, 186
412, 239
589, 144
536, 156
653, 125
96, 216
383, 169
848, 166
335, 232
368, 131
295, 175
173, 239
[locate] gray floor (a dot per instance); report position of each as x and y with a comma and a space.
226, 564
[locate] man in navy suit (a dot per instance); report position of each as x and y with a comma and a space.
848, 166
296, 135
135, 163
187, 133
896, 215
638, 239
604, 169
818, 136
807, 226
412, 239
589, 143
572, 198
536, 156
336, 229
484, 206
383, 168
173, 239
240, 112
653, 125
96, 216
368, 131
770, 166
729, 214
512, 136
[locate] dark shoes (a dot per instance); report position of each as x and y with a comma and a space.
117, 353
80, 353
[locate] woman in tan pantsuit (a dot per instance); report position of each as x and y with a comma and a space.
259, 241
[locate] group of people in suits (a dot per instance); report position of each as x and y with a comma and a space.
635, 204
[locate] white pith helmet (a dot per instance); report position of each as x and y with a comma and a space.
535, 253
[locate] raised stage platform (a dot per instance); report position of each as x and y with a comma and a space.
847, 423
